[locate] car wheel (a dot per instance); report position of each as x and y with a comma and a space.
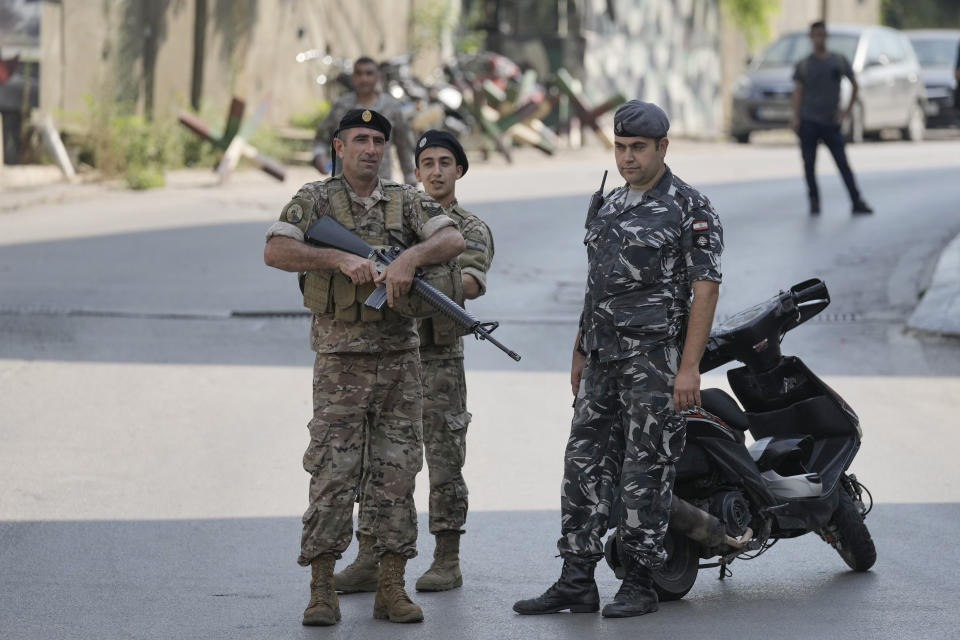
916, 125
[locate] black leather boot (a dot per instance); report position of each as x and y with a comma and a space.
576, 590
636, 595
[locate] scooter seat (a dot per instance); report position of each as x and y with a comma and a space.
805, 485
719, 403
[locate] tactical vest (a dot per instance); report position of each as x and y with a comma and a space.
327, 292
438, 330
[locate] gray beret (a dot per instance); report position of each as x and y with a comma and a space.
638, 118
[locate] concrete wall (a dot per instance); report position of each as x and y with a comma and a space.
143, 50
662, 51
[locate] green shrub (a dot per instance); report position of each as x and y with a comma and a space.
311, 118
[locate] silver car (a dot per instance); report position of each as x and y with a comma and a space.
891, 92
937, 52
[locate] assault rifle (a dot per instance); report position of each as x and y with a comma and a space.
327, 232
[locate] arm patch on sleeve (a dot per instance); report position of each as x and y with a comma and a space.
474, 244
297, 211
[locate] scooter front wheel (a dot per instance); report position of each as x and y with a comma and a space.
847, 533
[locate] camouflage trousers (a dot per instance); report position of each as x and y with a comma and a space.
445, 421
364, 405
619, 462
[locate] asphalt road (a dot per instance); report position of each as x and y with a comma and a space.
155, 383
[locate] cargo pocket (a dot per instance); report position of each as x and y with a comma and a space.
344, 299
673, 436
457, 422
317, 456
643, 318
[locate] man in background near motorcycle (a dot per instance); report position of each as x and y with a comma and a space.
817, 115
440, 161
367, 394
654, 242
367, 95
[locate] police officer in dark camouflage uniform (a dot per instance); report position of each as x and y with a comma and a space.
654, 272
367, 395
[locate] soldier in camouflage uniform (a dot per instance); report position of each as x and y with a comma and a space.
655, 242
441, 161
366, 384
367, 95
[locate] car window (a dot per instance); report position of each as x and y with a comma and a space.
936, 53
893, 46
789, 49
875, 52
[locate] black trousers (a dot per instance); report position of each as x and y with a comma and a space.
811, 133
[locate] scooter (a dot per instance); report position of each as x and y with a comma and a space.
733, 501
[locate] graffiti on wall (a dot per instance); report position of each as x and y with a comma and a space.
662, 51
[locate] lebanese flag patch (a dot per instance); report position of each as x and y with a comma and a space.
700, 225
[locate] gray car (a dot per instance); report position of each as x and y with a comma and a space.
884, 62
937, 52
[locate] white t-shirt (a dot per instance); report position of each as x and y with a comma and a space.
633, 197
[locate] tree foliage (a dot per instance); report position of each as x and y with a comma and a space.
920, 14
751, 17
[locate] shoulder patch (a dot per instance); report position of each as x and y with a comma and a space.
475, 244
296, 210
431, 208
700, 225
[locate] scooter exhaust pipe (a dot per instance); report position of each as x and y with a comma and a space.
697, 524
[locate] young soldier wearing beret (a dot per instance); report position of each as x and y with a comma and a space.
367, 396
440, 161
653, 251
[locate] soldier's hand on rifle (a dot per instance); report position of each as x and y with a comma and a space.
359, 270
397, 277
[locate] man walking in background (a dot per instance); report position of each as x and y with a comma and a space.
817, 116
367, 95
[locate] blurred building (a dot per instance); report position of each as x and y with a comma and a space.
167, 54
681, 54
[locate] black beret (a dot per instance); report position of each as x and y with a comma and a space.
640, 119
364, 118
434, 138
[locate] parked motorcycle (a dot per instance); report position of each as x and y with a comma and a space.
435, 106
732, 501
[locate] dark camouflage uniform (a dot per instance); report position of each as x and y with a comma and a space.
367, 397
445, 415
626, 435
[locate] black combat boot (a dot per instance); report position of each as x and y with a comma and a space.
636, 595
576, 590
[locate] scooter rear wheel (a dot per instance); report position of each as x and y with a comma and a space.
850, 536
675, 578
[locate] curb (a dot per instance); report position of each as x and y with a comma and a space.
939, 309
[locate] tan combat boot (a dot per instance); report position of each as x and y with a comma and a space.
362, 573
392, 602
323, 609
444, 574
